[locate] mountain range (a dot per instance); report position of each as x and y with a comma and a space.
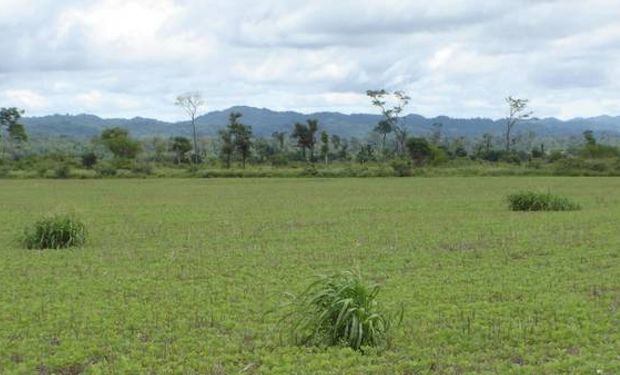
264, 122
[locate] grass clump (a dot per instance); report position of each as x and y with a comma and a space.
340, 309
55, 232
536, 201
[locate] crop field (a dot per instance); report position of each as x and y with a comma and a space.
187, 276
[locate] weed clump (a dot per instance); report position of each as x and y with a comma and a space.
535, 201
339, 309
55, 232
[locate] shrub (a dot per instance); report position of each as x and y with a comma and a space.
4, 170
595, 151
89, 159
279, 160
310, 170
584, 167
55, 232
402, 168
62, 170
555, 155
142, 168
106, 170
338, 310
534, 201
420, 150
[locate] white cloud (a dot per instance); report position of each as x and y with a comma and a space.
25, 98
454, 57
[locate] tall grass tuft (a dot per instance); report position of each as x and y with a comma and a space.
339, 309
55, 232
536, 201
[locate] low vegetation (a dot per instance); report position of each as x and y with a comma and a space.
182, 284
55, 232
539, 201
339, 309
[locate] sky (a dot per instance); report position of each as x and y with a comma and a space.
460, 58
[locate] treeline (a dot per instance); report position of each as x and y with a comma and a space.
306, 149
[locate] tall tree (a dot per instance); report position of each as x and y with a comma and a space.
588, 136
279, 138
180, 146
384, 128
325, 146
9, 123
192, 103
392, 121
117, 140
336, 141
365, 154
517, 112
306, 136
313, 127
487, 140
227, 148
420, 151
241, 136
158, 146
437, 133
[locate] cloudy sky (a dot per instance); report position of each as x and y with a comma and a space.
126, 58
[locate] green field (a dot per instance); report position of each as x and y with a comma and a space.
178, 275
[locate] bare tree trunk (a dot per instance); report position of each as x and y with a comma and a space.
508, 130
195, 138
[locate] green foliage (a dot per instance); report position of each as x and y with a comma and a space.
588, 136
166, 289
339, 309
241, 137
142, 168
536, 201
586, 167
181, 147
9, 118
119, 143
4, 170
598, 151
278, 160
17, 133
556, 155
55, 232
325, 146
391, 112
106, 170
89, 159
365, 154
62, 170
305, 134
420, 150
310, 170
401, 167
228, 147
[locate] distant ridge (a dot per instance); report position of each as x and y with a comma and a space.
265, 121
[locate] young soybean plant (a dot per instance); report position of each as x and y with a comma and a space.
339, 309
55, 232
535, 201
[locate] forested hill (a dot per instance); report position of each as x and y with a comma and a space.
264, 122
